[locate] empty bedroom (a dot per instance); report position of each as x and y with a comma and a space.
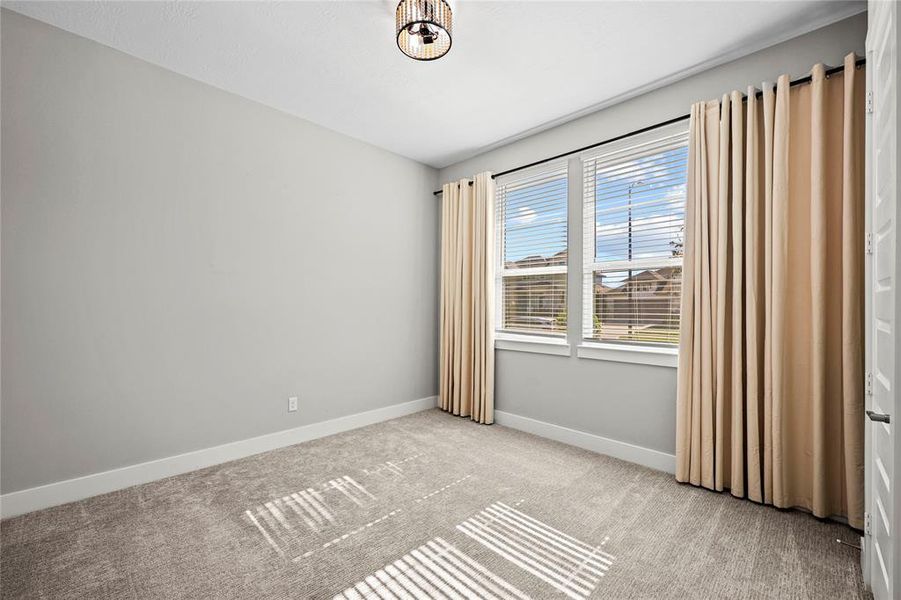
449, 299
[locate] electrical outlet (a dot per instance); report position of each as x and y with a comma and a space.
292, 404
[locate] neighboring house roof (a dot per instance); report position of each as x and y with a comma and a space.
663, 275
537, 260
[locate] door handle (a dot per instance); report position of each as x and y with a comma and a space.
875, 416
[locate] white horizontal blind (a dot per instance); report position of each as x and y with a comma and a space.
531, 249
634, 223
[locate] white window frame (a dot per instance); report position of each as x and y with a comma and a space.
521, 341
660, 355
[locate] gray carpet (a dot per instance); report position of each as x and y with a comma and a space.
426, 506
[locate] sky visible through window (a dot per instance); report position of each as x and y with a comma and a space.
535, 221
653, 186
640, 209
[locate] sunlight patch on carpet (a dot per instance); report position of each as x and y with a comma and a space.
312, 509
435, 571
568, 564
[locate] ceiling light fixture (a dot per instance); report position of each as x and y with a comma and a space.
424, 28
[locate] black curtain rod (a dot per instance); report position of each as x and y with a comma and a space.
801, 81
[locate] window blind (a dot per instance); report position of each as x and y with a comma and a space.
531, 247
634, 223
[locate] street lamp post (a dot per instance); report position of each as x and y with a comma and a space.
631, 186
629, 278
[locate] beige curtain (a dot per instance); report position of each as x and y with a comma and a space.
770, 397
467, 298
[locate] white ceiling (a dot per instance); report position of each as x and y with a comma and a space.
515, 67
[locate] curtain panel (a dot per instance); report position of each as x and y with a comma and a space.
466, 380
771, 381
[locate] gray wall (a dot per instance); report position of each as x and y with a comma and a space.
627, 402
177, 261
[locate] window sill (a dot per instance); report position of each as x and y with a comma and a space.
531, 343
642, 355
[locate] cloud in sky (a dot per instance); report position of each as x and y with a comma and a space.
524, 214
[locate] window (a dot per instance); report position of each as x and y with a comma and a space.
633, 227
531, 250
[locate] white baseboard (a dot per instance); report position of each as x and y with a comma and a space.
589, 441
61, 492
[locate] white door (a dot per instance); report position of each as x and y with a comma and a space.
882, 554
